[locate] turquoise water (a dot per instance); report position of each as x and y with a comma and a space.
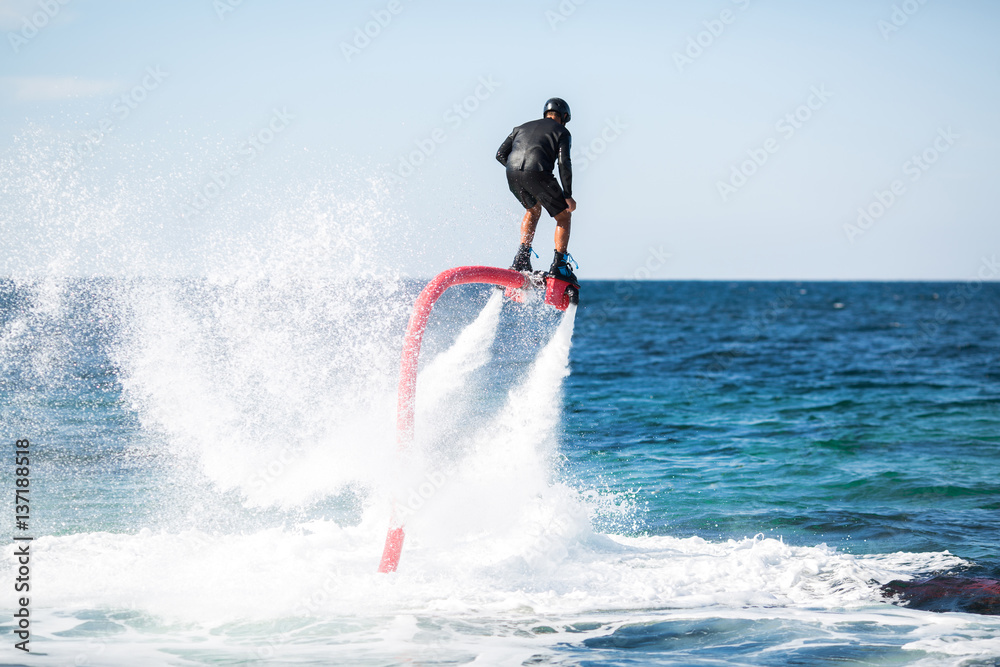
767, 407
677, 473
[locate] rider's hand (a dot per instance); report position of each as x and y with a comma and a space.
571, 203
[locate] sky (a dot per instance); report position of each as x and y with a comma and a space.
718, 140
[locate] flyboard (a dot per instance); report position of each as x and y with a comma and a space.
558, 293
517, 286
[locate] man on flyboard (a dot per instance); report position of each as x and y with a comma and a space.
530, 154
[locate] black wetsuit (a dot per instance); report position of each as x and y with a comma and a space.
530, 154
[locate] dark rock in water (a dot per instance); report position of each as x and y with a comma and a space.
968, 595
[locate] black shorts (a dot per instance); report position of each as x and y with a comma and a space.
532, 187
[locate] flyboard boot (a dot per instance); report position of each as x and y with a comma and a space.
522, 263
561, 285
522, 260
561, 270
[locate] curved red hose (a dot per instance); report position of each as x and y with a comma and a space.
408, 369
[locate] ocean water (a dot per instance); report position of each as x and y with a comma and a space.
671, 474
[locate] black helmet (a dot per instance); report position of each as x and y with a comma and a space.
558, 105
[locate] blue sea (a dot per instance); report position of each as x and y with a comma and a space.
673, 473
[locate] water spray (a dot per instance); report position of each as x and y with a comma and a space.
558, 294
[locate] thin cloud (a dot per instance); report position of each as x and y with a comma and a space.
55, 88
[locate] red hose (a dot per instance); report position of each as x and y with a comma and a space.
408, 370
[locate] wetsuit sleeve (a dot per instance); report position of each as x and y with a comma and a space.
504, 152
566, 164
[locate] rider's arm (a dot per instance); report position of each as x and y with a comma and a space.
566, 165
504, 152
